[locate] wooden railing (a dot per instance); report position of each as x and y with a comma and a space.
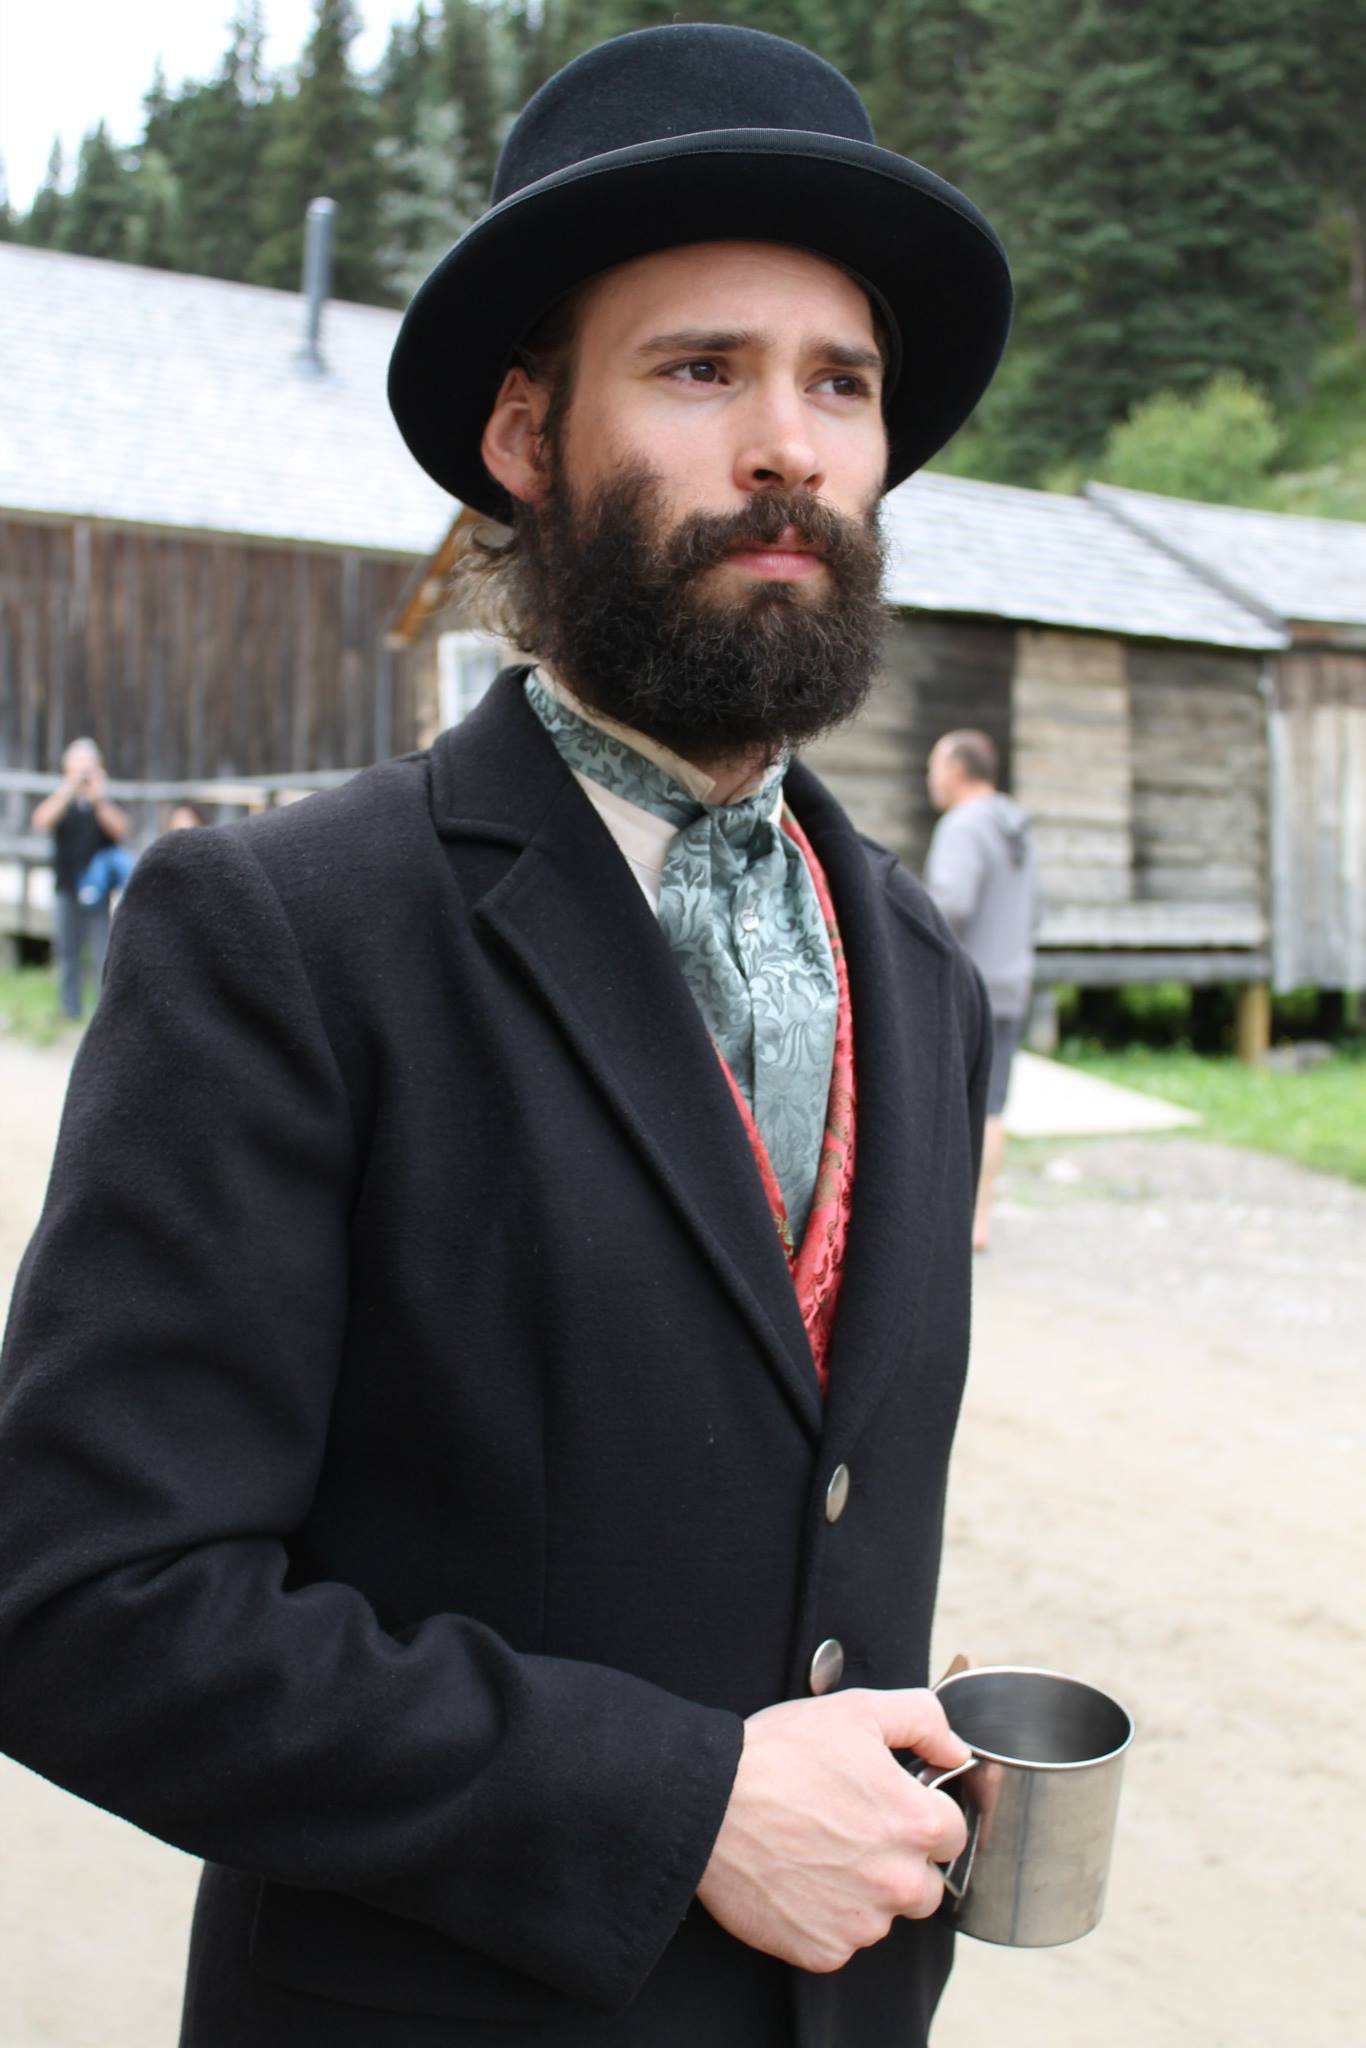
25, 855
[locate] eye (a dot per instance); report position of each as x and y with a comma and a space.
846, 384
701, 370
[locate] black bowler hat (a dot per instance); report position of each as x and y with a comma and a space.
700, 133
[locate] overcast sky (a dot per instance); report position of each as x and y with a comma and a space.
66, 63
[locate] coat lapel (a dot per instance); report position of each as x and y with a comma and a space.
898, 982
573, 917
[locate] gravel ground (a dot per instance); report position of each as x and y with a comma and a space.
1159, 1487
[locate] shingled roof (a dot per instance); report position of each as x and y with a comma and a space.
1002, 552
146, 396
1310, 569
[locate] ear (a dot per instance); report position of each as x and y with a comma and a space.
511, 444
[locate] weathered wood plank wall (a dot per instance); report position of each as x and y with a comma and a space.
1200, 776
190, 657
1074, 763
936, 675
1143, 767
1318, 794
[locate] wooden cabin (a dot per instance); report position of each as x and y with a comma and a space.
1308, 576
203, 533
1127, 692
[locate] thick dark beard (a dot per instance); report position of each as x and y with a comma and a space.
619, 615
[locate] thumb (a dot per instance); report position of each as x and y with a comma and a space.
912, 1718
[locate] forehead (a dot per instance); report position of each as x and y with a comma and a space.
753, 285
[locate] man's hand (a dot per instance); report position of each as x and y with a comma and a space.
827, 1839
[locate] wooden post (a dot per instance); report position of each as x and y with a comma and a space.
1254, 1021
1041, 1026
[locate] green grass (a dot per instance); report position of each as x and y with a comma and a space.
1317, 1117
29, 1009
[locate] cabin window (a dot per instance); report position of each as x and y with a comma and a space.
466, 663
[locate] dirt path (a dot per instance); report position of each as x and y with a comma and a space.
1159, 1486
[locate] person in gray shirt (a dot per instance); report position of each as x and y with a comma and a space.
981, 873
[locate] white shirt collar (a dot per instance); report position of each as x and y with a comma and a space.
698, 784
642, 838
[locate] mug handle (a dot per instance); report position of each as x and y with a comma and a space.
957, 1875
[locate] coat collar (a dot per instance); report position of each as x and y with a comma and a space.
570, 913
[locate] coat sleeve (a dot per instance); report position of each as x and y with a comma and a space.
165, 1389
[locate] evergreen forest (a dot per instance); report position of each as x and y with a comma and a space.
1182, 190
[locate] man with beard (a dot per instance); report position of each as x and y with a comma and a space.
492, 1467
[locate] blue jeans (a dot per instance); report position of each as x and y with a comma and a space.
76, 926
109, 870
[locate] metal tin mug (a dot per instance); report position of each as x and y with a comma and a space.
1040, 1794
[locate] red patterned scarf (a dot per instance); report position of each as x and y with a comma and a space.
817, 1267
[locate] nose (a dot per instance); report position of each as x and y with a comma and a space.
775, 447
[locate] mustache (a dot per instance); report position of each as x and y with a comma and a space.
606, 591
704, 540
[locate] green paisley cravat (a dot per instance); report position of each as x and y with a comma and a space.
740, 912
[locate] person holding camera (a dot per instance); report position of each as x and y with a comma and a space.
83, 822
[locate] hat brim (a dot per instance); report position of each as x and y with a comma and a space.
915, 241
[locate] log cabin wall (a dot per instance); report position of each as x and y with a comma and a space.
1200, 767
936, 675
1073, 753
1143, 766
1057, 706
1318, 794
189, 656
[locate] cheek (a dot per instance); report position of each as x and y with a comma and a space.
856, 467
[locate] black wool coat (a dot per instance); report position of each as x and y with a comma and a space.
411, 1461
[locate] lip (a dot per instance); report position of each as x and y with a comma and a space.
787, 560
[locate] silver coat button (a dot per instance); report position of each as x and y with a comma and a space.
827, 1666
837, 1493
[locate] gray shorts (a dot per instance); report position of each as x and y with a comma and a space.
1005, 1043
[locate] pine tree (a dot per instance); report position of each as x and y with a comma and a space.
9, 225
1330, 94
427, 204
544, 35
569, 27
214, 148
156, 227
468, 82
404, 80
42, 226
158, 113
926, 54
96, 218
321, 140
1139, 164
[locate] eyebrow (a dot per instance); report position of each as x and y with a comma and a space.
729, 341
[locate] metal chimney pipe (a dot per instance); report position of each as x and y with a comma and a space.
318, 234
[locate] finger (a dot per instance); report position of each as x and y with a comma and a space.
921, 1892
929, 1823
944, 1825
913, 1719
